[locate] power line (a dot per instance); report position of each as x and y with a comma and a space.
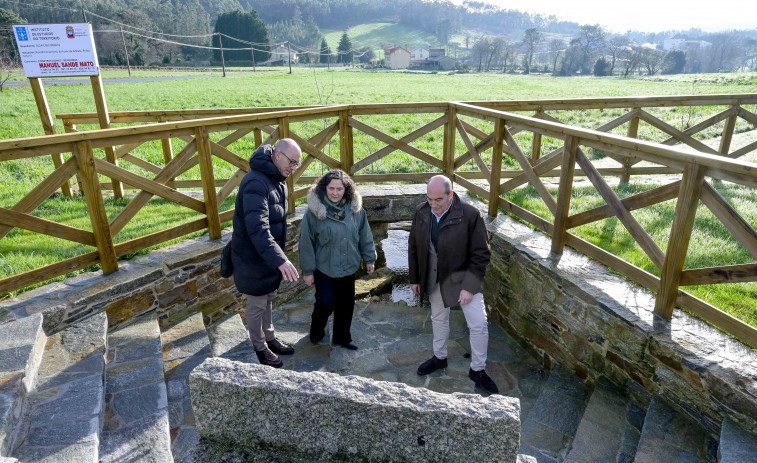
147, 30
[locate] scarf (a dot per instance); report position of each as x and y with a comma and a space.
335, 211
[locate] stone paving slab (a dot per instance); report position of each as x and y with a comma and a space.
185, 346
136, 416
736, 445
66, 407
22, 344
229, 339
667, 436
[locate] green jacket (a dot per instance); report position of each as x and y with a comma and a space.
335, 247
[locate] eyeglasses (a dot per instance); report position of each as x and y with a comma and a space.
292, 162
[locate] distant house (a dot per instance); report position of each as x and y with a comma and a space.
281, 55
419, 54
446, 63
701, 44
674, 43
397, 58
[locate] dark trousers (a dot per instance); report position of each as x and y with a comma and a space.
337, 296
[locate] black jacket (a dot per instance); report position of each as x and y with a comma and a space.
463, 250
260, 226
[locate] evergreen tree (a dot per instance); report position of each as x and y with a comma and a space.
7, 44
325, 51
345, 49
246, 26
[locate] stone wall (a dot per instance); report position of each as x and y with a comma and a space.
177, 280
572, 311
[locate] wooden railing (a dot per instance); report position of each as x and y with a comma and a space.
468, 132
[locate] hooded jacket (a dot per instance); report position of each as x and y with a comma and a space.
332, 246
260, 226
463, 250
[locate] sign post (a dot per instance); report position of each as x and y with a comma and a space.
63, 50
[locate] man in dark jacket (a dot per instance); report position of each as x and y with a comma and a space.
448, 251
258, 242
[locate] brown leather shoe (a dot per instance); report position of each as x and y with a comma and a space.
267, 357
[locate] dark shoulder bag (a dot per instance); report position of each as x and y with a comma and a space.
227, 265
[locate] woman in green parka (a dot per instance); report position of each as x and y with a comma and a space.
334, 237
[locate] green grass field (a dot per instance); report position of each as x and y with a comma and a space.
22, 251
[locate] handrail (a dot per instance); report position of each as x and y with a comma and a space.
342, 124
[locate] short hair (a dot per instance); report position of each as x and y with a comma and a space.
337, 174
445, 181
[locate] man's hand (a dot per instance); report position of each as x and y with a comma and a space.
416, 289
308, 279
465, 297
288, 271
370, 268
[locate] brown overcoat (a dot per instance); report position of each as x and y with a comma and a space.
463, 251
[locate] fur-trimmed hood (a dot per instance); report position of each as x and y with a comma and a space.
318, 209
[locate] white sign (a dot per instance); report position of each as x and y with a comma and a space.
57, 50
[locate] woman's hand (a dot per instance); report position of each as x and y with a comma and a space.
370, 268
308, 279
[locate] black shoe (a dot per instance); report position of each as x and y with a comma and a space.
267, 357
279, 348
431, 365
483, 381
349, 345
316, 338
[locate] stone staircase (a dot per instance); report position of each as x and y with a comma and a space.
84, 394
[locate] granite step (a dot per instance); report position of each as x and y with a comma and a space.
610, 427
63, 415
229, 339
185, 345
136, 416
670, 437
22, 344
551, 425
736, 444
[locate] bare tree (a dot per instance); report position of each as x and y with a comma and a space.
614, 46
631, 59
495, 49
724, 52
480, 51
651, 59
531, 39
556, 47
508, 56
591, 40
6, 68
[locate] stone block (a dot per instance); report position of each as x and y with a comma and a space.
178, 295
126, 308
350, 418
736, 445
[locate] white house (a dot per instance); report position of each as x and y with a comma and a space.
419, 54
673, 43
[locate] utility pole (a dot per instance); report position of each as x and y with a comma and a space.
83, 12
289, 58
252, 50
223, 62
126, 52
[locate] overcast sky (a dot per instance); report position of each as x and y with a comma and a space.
645, 15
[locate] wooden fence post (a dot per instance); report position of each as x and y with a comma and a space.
680, 234
448, 150
208, 182
536, 142
563, 194
104, 118
496, 173
725, 139
95, 206
68, 127
346, 150
633, 132
284, 133
48, 125
165, 144
258, 137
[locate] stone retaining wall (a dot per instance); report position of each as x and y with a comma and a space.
572, 311
328, 417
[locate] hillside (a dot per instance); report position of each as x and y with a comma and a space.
373, 35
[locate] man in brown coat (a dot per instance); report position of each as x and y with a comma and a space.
448, 252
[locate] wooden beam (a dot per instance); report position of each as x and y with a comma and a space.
726, 322
346, 142
95, 207
12, 218
528, 169
679, 135
678, 244
741, 273
208, 183
473, 151
104, 119
563, 194
631, 203
633, 132
730, 218
143, 242
727, 135
632, 225
411, 150
26, 279
499, 133
48, 125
